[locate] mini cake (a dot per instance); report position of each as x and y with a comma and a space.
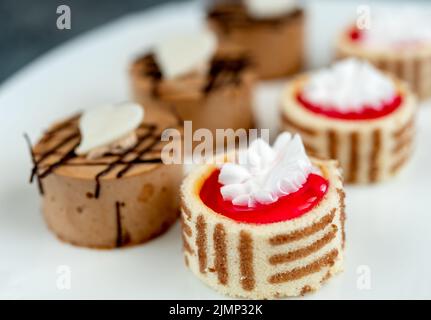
211, 88
268, 225
101, 177
398, 42
355, 114
271, 31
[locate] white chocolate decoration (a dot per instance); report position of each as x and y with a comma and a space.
263, 173
186, 53
109, 128
261, 9
349, 85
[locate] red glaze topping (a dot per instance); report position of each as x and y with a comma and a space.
355, 34
367, 112
287, 207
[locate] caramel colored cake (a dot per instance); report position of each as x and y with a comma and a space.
274, 43
121, 197
398, 43
220, 98
269, 250
371, 140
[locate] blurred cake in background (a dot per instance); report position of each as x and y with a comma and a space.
269, 224
202, 82
356, 114
101, 177
397, 41
271, 31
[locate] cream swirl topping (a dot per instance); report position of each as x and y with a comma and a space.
263, 173
349, 86
403, 28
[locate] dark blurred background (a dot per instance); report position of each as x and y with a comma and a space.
28, 27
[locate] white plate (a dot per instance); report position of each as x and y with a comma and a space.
388, 226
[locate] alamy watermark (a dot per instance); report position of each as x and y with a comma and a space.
64, 277
363, 20
205, 146
363, 282
64, 20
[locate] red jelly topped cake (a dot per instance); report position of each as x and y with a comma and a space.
269, 224
286, 208
356, 114
397, 41
350, 90
366, 112
393, 29
244, 192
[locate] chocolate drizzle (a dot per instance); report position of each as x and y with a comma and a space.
128, 166
69, 155
60, 127
119, 239
64, 153
224, 70
54, 149
115, 163
105, 163
151, 70
33, 159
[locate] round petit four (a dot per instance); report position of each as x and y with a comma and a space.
268, 224
101, 177
353, 113
210, 87
399, 42
271, 31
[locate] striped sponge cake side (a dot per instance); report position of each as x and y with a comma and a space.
282, 259
368, 151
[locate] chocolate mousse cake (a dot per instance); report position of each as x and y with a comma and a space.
398, 42
271, 31
267, 224
211, 87
101, 177
356, 114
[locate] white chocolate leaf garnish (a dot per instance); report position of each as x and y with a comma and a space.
263, 173
182, 54
262, 9
104, 126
